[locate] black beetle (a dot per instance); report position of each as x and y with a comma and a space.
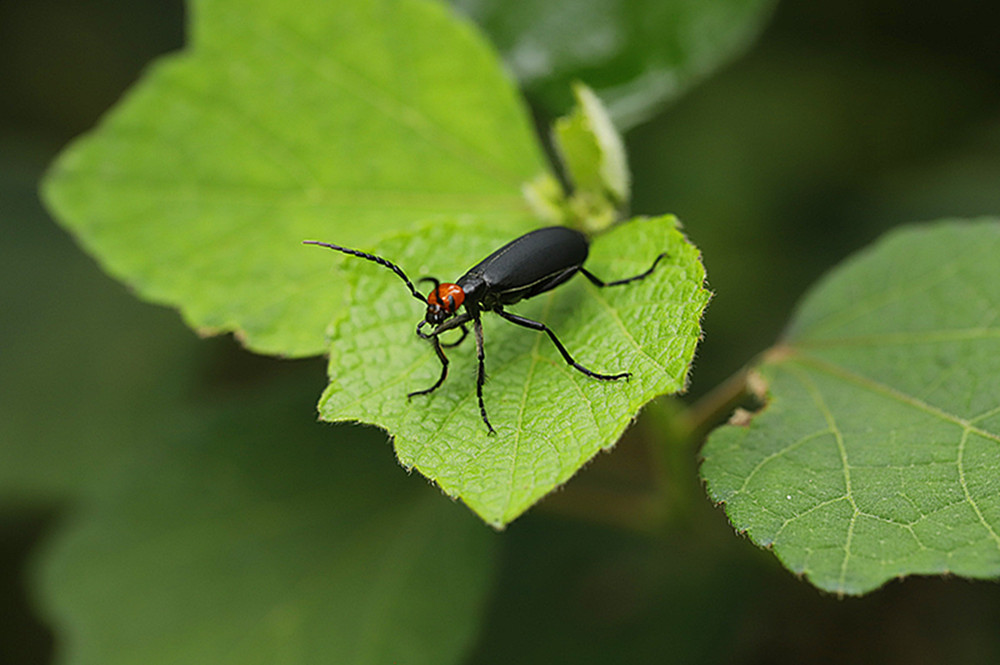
523, 268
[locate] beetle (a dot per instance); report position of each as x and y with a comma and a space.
529, 265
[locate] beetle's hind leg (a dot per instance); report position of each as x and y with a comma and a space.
597, 281
541, 327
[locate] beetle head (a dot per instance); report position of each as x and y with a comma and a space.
443, 301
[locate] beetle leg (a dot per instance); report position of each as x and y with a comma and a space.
477, 327
541, 327
433, 336
458, 322
597, 281
444, 369
465, 332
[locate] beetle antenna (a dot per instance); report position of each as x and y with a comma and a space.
375, 259
432, 280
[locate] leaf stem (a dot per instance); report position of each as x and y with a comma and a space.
744, 389
676, 432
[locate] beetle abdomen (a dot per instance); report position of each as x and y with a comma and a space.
529, 265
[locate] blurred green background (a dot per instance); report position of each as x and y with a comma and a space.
844, 119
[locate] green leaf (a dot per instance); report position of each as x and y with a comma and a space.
878, 453
78, 394
291, 120
637, 55
550, 419
252, 542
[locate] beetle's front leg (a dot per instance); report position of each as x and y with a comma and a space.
461, 338
444, 368
457, 322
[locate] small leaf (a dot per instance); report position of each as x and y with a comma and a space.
878, 454
550, 419
284, 121
594, 157
590, 123
252, 542
636, 54
547, 198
